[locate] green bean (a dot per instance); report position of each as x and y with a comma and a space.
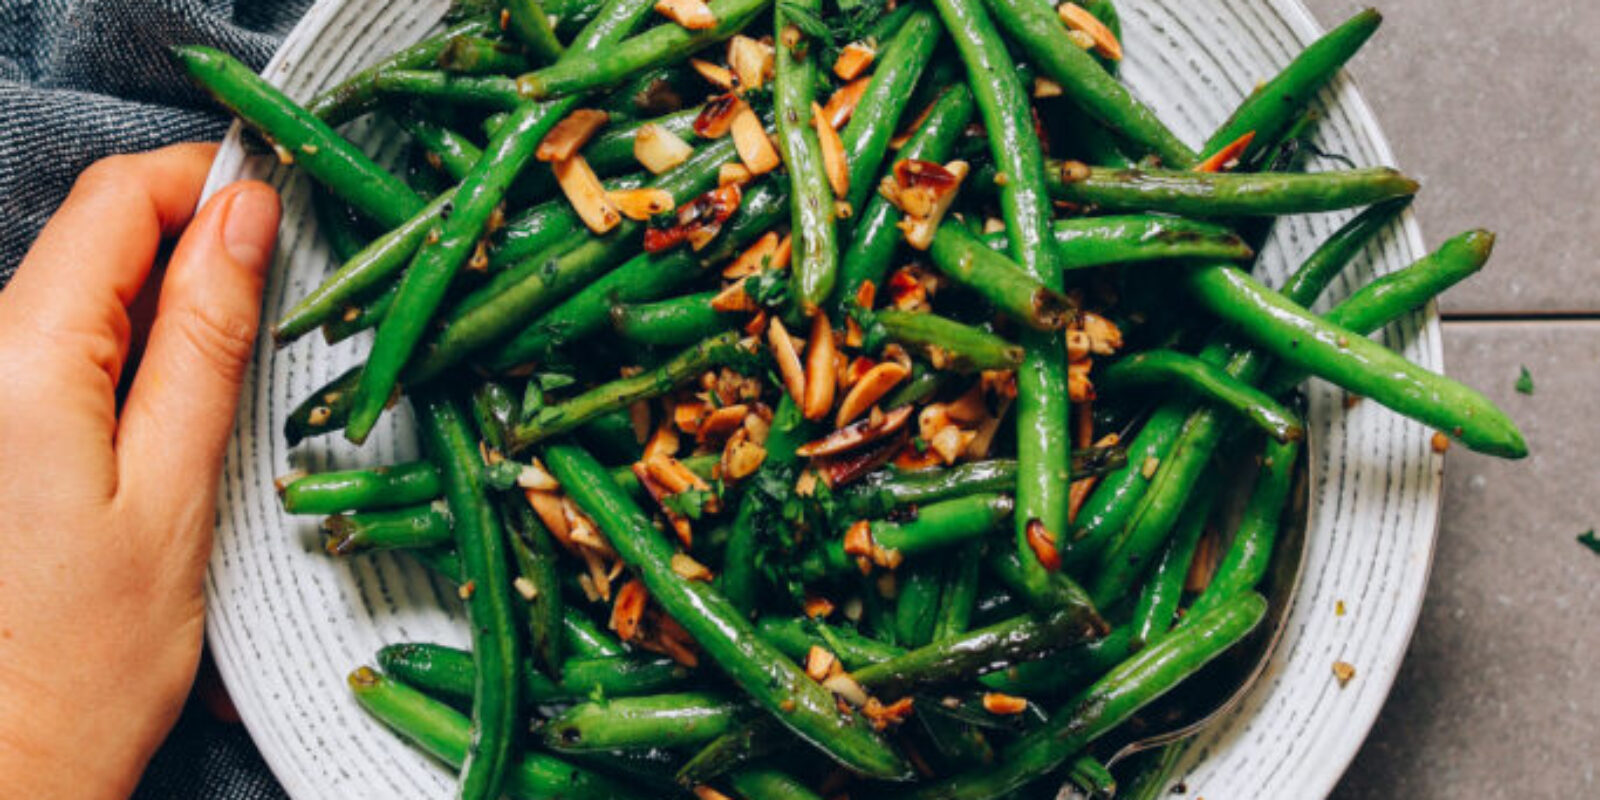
448, 673
324, 410
1107, 509
546, 229
882, 493
337, 224
476, 55
1223, 194
935, 526
361, 489
1033, 24
686, 719
669, 323
1057, 592
795, 637
1158, 602
1151, 769
438, 729
765, 783
299, 136
1067, 670
436, 263
1168, 368
1043, 438
531, 26
877, 237
894, 72
703, 465
916, 601
580, 635
400, 528
1274, 106
1098, 241
356, 96
455, 153
948, 344
612, 437
553, 420
760, 513
480, 543
583, 69
958, 597
964, 259
772, 681
815, 264
1132, 685
1279, 326
1245, 563
612, 149
1018, 639
488, 92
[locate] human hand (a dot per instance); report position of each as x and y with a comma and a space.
106, 514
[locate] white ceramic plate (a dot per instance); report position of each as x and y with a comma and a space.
287, 623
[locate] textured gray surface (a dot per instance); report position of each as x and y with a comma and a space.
1491, 105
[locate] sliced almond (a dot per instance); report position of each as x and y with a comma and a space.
968, 409
857, 434
853, 60
834, 162
1079, 388
570, 134
906, 290
664, 442
689, 569
1078, 345
817, 607
983, 436
949, 443
694, 15
723, 422
847, 688
757, 257
752, 61
674, 476
868, 390
733, 173
931, 195
659, 149
588, 197
821, 379
820, 663
733, 298
858, 539
842, 103
1077, 18
534, 476
751, 140
742, 457
660, 493
548, 506
716, 116
997, 703
716, 74
783, 351
628, 610
1043, 544
689, 416
641, 204
1044, 87
1105, 338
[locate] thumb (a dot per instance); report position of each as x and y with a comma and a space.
179, 411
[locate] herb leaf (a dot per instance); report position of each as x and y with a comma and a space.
1588, 539
1525, 382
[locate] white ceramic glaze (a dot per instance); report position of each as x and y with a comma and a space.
287, 624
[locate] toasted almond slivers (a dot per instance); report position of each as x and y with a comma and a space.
1105, 338
1044, 87
732, 173
733, 298
757, 257
659, 149
672, 474
821, 379
641, 204
948, 443
718, 75
1079, 388
587, 196
846, 687
570, 134
1228, 157
834, 162
868, 390
534, 476
707, 793
817, 607
854, 60
723, 422
820, 663
997, 703
1078, 18
858, 538
919, 229
742, 457
689, 569
694, 15
1043, 544
794, 375
688, 417
857, 434
751, 59
628, 610
751, 140
716, 116
548, 506
842, 103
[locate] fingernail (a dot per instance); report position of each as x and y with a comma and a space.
251, 226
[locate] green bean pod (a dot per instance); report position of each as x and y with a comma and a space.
481, 545
935, 526
477, 55
895, 71
950, 345
1132, 685
1352, 361
487, 92
1223, 194
1019, 639
323, 410
455, 153
685, 719
958, 598
918, 586
584, 69
1165, 368
1245, 563
756, 518
396, 529
355, 95
1033, 24
773, 682
964, 259
1057, 592
447, 673
531, 25
362, 489
669, 323
1086, 242
1158, 601
794, 638
815, 264
766, 783
441, 731
553, 420
1275, 105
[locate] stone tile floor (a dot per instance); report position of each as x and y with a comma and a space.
1489, 103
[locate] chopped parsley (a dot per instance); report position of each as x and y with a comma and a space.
1587, 539
1525, 382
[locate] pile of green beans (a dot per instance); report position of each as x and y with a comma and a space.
853, 466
